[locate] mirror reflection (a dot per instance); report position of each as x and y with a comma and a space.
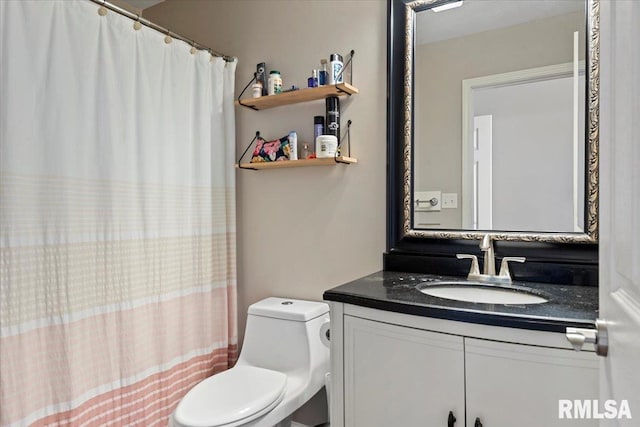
499, 116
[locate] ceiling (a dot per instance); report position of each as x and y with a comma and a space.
476, 16
143, 4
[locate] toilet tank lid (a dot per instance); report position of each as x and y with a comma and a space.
289, 309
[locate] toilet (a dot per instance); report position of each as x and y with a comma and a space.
282, 366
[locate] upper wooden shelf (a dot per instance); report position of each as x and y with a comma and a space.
296, 96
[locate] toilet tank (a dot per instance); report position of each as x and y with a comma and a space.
284, 334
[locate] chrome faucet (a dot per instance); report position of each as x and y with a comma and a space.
489, 267
486, 246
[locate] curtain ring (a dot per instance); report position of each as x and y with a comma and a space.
168, 38
193, 47
102, 11
137, 25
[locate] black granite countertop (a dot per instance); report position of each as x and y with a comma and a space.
567, 305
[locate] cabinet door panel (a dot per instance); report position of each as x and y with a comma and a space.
517, 385
399, 376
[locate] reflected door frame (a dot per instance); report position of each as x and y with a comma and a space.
482, 175
468, 125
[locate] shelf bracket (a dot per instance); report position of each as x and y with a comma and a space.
350, 64
247, 149
255, 75
348, 136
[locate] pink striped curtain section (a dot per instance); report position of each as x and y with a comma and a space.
117, 218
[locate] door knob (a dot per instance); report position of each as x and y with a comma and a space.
477, 423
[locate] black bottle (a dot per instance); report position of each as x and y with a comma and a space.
261, 76
332, 123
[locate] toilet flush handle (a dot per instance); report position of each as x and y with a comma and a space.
451, 420
325, 333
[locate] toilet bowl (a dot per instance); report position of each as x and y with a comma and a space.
282, 365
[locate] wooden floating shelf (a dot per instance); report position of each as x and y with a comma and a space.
296, 96
298, 163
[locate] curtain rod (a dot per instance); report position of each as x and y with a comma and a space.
160, 29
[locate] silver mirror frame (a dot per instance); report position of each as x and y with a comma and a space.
593, 124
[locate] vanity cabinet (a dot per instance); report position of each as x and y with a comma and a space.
398, 376
390, 369
511, 384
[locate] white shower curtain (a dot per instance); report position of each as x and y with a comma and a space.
117, 217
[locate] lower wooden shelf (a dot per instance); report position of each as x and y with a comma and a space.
298, 163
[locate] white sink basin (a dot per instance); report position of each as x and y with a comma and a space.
482, 292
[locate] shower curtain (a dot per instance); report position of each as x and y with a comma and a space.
117, 217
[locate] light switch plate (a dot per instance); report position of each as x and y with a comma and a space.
449, 200
427, 201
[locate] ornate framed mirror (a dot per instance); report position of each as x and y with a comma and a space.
493, 116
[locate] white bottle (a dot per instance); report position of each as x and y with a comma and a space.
257, 90
326, 146
335, 69
274, 83
293, 145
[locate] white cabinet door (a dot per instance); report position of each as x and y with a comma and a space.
399, 376
518, 385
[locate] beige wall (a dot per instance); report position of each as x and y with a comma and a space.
301, 231
440, 69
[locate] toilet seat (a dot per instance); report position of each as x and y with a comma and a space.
231, 398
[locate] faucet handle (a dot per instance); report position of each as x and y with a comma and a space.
475, 269
504, 266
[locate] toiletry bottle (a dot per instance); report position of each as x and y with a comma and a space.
326, 146
293, 145
313, 80
332, 126
306, 151
322, 73
318, 126
261, 78
335, 69
257, 90
275, 82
